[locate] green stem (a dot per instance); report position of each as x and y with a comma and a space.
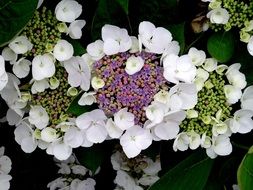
240, 146
195, 41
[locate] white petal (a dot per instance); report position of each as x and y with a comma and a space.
63, 50
28, 145
167, 130
112, 129
9, 55
96, 133
111, 47
61, 151
73, 137
75, 29
123, 119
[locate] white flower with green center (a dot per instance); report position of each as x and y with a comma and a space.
79, 73
124, 119
154, 39
178, 69
97, 83
75, 29
38, 116
134, 65
68, 10
43, 67
20, 45
49, 134
233, 94
134, 140
219, 127
162, 96
115, 39
218, 16
63, 50
95, 49
197, 56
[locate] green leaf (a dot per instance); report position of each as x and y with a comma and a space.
76, 109
14, 15
177, 31
124, 5
191, 173
221, 46
91, 157
245, 171
78, 48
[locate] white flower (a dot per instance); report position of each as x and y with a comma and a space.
181, 142
73, 137
218, 16
124, 119
79, 170
250, 46
68, 10
206, 141
247, 98
235, 77
95, 49
197, 56
24, 136
58, 183
63, 50
75, 29
135, 45
221, 68
113, 130
21, 68
60, 150
5, 164
155, 112
242, 122
43, 67
183, 96
3, 74
88, 184
49, 134
40, 86
162, 96
232, 93
169, 128
134, 140
20, 45
97, 83
9, 55
115, 39
124, 180
155, 40
38, 117
221, 145
201, 73
5, 181
94, 123
210, 64
194, 140
79, 73
134, 65
87, 98
178, 68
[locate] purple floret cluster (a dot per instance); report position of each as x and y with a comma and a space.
132, 91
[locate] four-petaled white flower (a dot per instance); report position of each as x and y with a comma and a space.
218, 16
43, 67
68, 10
232, 93
38, 116
155, 40
178, 68
115, 39
63, 50
79, 73
134, 65
134, 140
